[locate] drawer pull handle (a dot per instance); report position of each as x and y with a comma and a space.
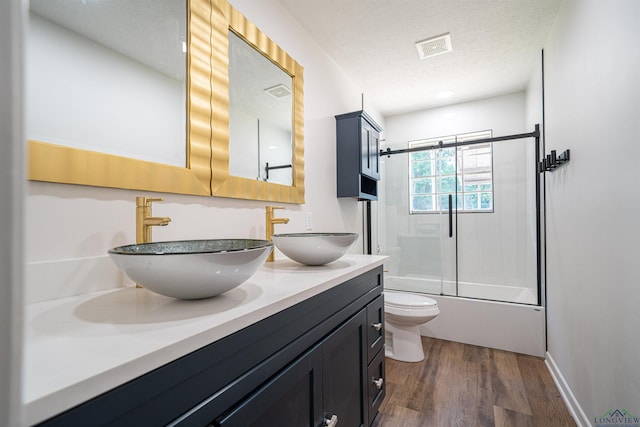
378, 383
376, 326
331, 422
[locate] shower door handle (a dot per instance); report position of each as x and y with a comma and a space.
450, 216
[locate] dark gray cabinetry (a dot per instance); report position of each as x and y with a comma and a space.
328, 382
339, 378
344, 373
292, 398
358, 159
319, 358
375, 352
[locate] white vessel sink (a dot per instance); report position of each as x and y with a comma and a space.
192, 269
314, 248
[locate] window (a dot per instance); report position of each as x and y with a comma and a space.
465, 172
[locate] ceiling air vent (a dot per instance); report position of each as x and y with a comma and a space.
434, 46
278, 91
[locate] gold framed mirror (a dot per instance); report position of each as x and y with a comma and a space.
226, 19
71, 165
207, 137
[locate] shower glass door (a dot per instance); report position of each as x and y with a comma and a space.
460, 221
446, 198
413, 242
496, 222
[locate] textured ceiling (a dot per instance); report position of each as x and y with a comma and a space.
496, 46
496, 43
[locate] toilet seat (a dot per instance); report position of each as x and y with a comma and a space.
403, 307
407, 300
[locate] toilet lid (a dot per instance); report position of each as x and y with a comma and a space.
403, 299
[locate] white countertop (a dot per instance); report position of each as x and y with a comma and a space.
81, 346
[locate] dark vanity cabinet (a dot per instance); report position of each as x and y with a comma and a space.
358, 155
318, 362
325, 383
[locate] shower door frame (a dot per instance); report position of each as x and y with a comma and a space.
536, 135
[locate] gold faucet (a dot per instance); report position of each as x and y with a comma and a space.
271, 221
144, 220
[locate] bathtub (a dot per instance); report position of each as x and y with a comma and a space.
513, 326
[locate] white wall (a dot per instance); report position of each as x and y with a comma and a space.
494, 248
70, 228
592, 106
12, 14
505, 115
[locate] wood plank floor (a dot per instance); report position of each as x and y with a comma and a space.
466, 385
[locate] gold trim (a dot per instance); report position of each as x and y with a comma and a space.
225, 17
55, 163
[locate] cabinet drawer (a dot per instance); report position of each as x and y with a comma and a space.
377, 384
375, 328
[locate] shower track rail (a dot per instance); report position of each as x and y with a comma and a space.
535, 134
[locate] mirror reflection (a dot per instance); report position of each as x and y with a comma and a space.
109, 77
260, 116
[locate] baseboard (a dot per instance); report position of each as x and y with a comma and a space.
567, 395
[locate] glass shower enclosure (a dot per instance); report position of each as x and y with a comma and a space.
459, 216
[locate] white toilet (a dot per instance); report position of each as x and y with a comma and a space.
403, 313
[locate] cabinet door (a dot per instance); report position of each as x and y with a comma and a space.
344, 373
293, 398
369, 151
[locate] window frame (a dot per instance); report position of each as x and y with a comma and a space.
459, 174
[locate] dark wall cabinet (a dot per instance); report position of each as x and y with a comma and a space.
319, 362
358, 155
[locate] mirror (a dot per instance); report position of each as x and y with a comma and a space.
260, 116
201, 167
109, 77
249, 183
107, 84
